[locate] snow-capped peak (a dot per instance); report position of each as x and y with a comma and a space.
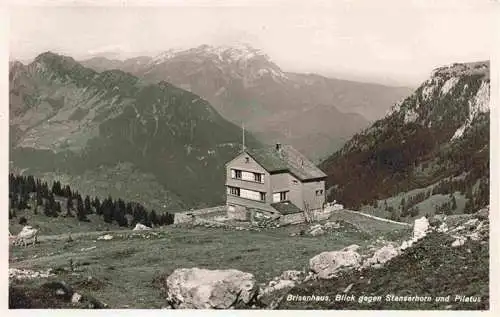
227, 53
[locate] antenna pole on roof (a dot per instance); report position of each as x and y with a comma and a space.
243, 128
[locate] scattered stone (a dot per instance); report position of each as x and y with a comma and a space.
278, 286
317, 232
381, 256
483, 214
348, 288
331, 225
471, 224
87, 249
76, 298
352, 247
459, 241
292, 275
436, 220
22, 274
105, 237
140, 226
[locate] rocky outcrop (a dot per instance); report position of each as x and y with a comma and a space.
194, 288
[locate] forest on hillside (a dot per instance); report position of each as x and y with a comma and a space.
57, 200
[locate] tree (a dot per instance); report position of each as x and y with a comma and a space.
58, 208
154, 218
87, 205
453, 203
46, 209
69, 206
80, 209
414, 211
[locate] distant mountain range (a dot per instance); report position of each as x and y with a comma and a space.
440, 133
135, 132
313, 113
111, 132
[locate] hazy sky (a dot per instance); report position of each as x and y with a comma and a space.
400, 40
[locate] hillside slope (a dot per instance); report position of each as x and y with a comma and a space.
245, 85
440, 131
70, 121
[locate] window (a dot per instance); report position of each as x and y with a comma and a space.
283, 196
236, 174
295, 182
280, 196
263, 196
319, 192
247, 176
253, 195
235, 191
258, 177
247, 159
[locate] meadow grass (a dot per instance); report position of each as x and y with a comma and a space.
127, 265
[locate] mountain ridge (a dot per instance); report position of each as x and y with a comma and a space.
440, 131
71, 120
246, 86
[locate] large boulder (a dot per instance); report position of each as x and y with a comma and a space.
194, 288
327, 264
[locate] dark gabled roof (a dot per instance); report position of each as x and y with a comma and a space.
286, 159
286, 208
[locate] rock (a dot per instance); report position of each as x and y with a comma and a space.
314, 227
87, 249
459, 241
443, 228
420, 228
105, 237
348, 288
382, 255
483, 214
436, 220
195, 288
317, 232
331, 225
292, 275
140, 226
326, 264
76, 298
310, 276
21, 274
352, 247
471, 224
278, 286
60, 289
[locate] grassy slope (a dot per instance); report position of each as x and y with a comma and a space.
431, 268
60, 225
124, 264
